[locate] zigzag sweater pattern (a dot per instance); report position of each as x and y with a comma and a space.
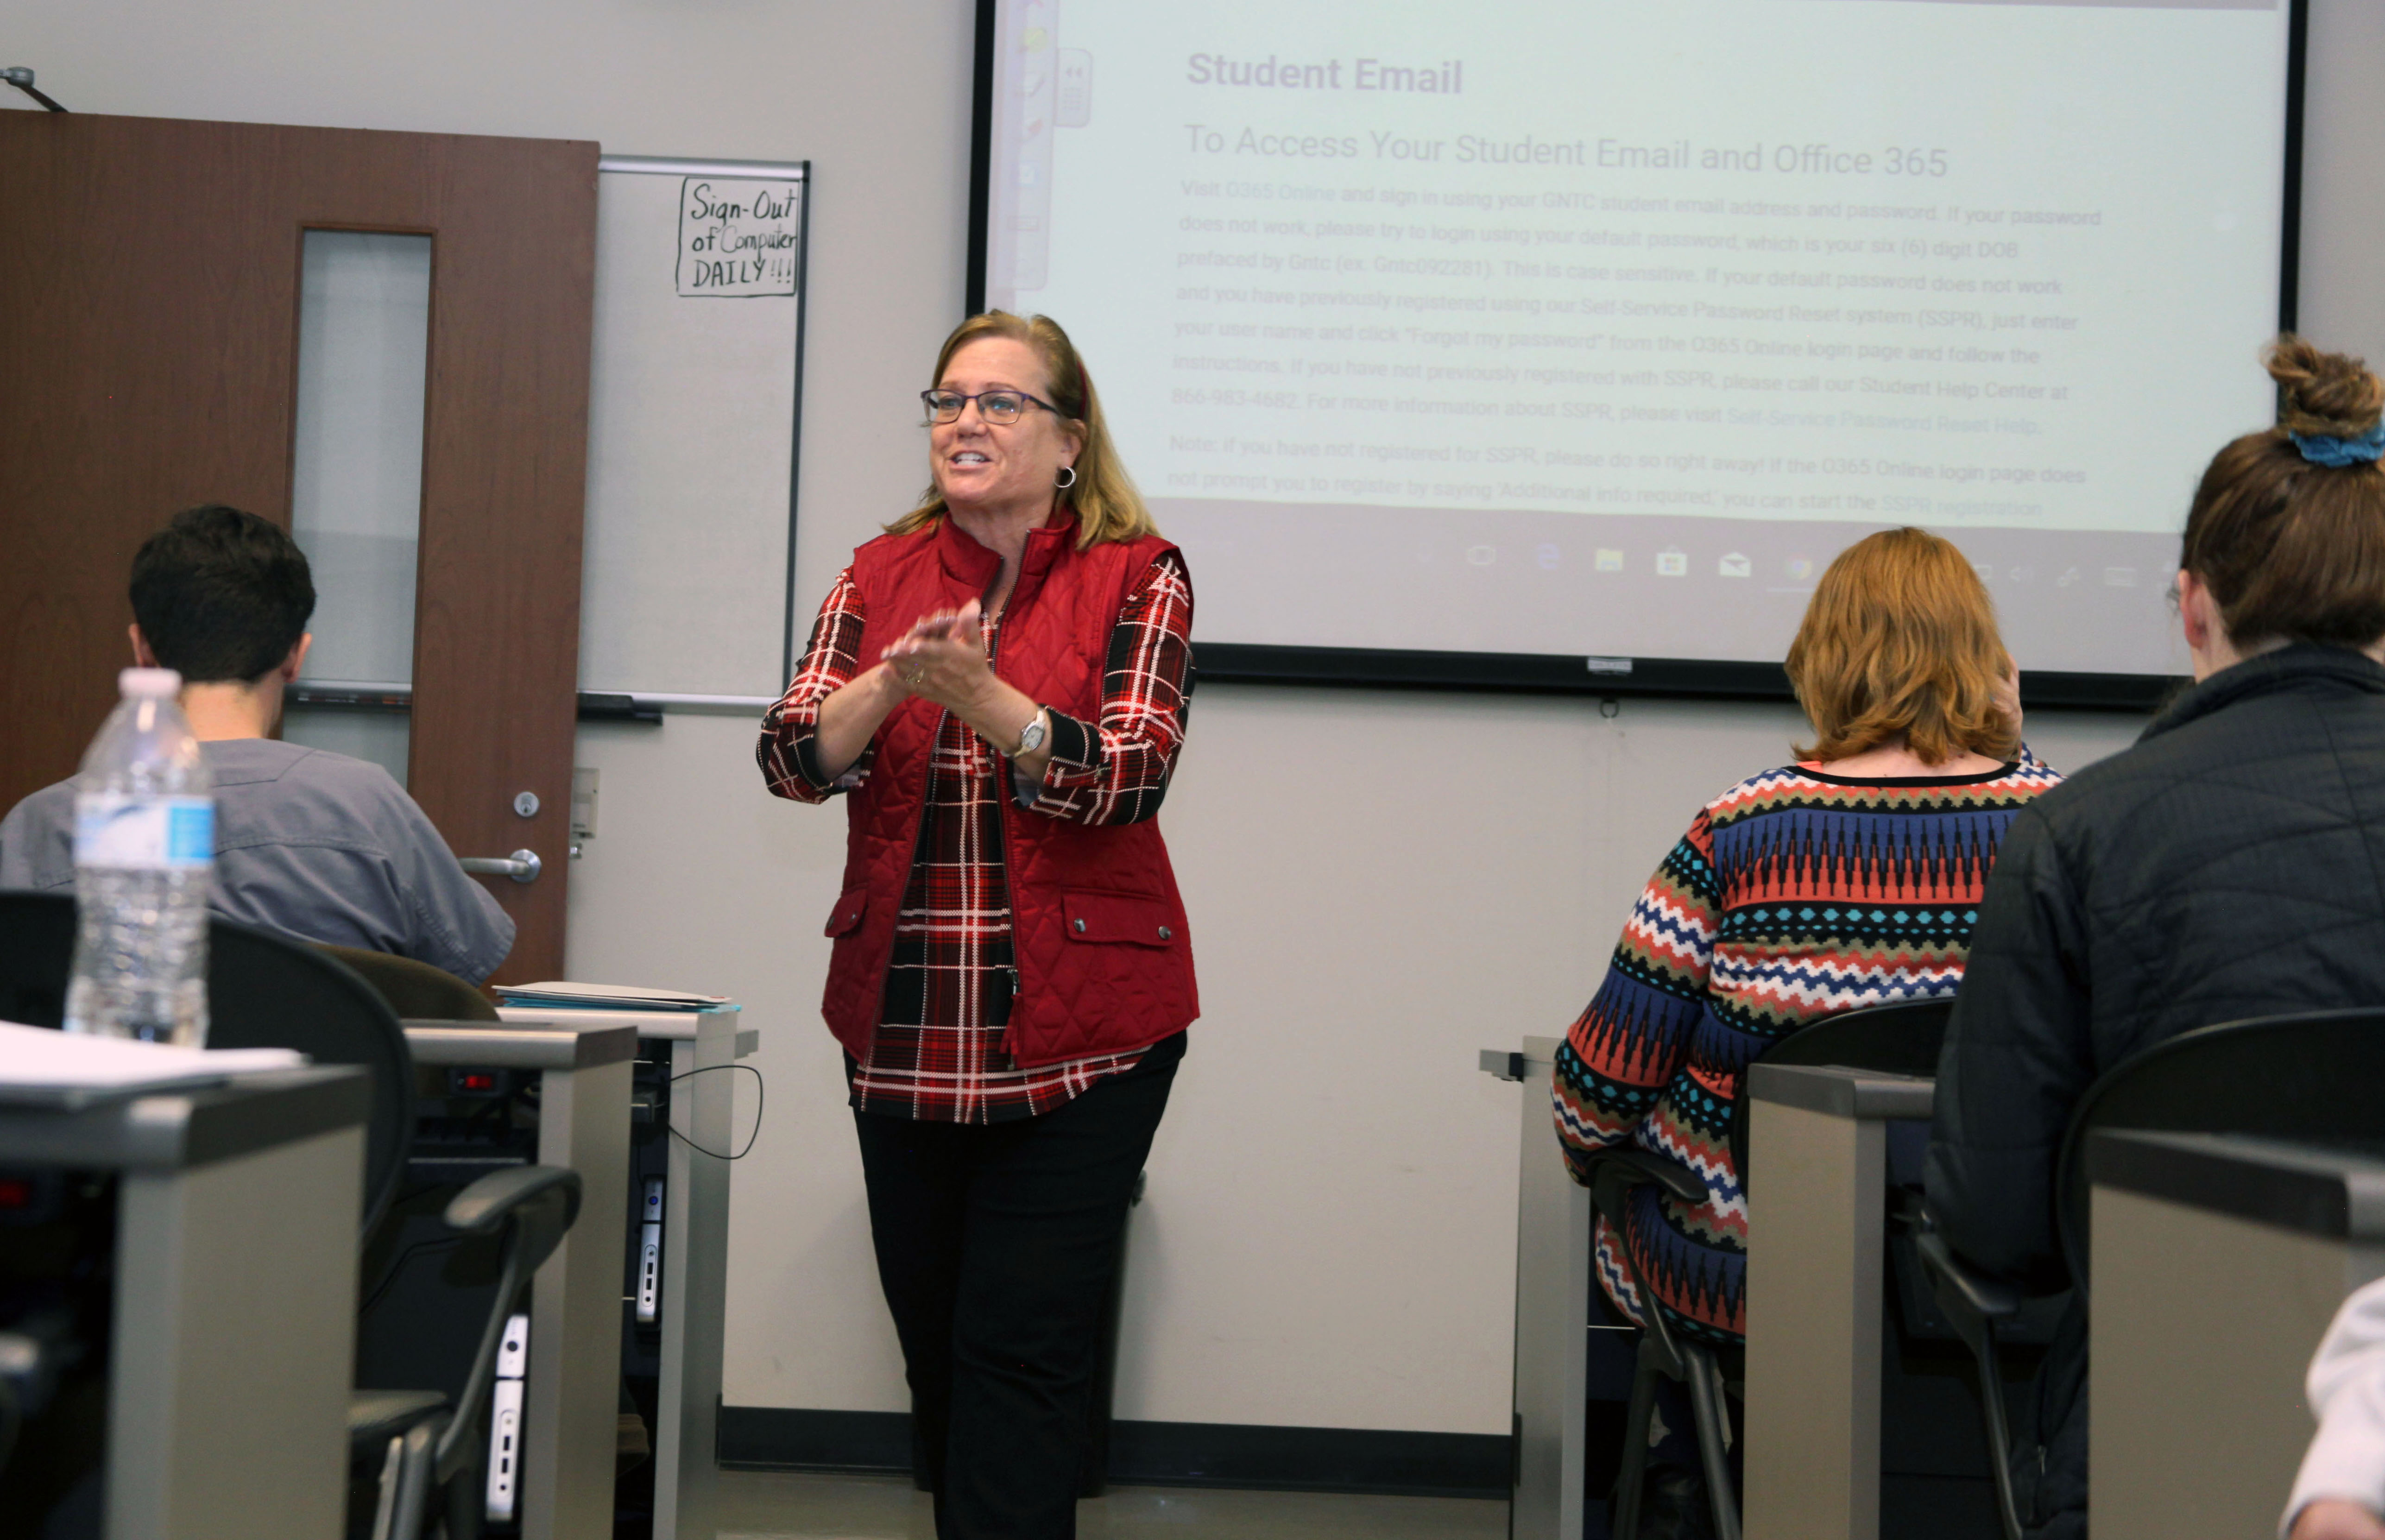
1795, 895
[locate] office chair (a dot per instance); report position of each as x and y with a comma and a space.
1901, 1039
37, 936
1905, 1040
1898, 1039
266, 991
530, 1208
416, 991
2309, 1075
263, 991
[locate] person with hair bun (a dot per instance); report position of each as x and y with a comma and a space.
2231, 864
997, 687
1848, 879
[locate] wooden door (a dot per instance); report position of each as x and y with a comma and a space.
149, 289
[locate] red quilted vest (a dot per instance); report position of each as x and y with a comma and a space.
1103, 956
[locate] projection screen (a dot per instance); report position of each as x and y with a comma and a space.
1576, 337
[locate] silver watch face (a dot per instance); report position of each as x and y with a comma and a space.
1031, 737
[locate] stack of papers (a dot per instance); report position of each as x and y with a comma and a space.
560, 995
39, 1067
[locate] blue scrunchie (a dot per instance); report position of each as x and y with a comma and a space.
2320, 449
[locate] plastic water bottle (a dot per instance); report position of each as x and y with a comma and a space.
144, 860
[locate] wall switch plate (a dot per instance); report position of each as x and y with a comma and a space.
583, 802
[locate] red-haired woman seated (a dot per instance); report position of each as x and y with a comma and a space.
1849, 879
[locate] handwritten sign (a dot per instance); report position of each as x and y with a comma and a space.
739, 237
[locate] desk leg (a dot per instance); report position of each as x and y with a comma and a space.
1553, 1284
2195, 1418
235, 1331
696, 1283
1816, 1257
573, 1397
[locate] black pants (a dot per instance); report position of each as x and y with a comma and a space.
996, 1247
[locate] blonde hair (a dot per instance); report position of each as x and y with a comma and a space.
1108, 507
1900, 640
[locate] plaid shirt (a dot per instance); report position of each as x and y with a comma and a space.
937, 1055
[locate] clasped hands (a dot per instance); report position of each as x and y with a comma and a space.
942, 658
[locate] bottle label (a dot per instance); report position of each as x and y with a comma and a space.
144, 833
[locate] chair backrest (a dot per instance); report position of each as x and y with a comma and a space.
416, 991
264, 991
1901, 1039
37, 935
2310, 1075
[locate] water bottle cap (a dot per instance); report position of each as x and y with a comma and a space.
148, 683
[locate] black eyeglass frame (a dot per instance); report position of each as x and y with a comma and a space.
928, 399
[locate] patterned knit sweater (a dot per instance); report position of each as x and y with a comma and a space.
1793, 896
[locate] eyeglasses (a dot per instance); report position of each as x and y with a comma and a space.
1000, 407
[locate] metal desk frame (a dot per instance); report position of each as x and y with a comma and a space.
1816, 1257
1553, 1284
2227, 1257
572, 1398
235, 1297
695, 1254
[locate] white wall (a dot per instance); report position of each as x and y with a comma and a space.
1380, 883
2344, 181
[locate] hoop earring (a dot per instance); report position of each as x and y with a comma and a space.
1070, 472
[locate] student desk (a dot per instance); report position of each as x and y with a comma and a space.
235, 1297
572, 1398
695, 1251
2216, 1263
1553, 1284
1817, 1261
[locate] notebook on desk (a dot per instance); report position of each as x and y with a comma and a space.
39, 1067
559, 995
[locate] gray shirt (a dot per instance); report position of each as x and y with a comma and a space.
313, 845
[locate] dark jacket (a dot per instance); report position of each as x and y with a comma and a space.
2231, 864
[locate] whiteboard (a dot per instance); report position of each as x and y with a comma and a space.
695, 386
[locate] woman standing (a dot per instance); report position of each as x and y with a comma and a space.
998, 685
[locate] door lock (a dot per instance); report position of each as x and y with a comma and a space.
525, 804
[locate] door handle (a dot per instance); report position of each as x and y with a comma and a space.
522, 866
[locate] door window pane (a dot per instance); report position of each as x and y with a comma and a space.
357, 495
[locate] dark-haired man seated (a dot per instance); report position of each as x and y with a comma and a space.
314, 845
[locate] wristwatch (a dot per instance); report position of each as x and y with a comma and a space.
1031, 737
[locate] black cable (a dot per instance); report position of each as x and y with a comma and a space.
397, 1265
759, 1099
